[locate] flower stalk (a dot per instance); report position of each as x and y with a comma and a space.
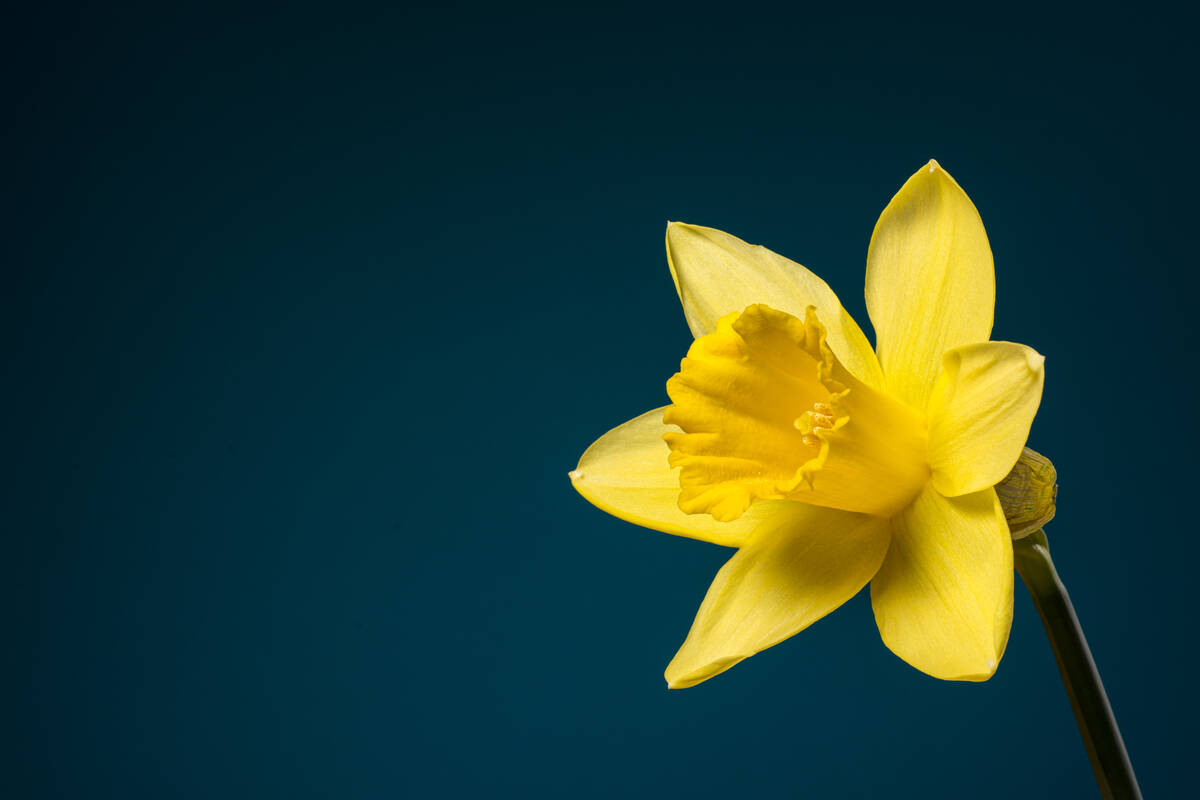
1028, 498
1093, 714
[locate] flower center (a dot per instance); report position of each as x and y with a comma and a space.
820, 416
767, 412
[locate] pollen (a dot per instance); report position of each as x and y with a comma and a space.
820, 416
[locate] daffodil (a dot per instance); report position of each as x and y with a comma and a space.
827, 463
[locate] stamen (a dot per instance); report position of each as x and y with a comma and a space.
821, 416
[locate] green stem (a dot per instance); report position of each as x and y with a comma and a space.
1093, 714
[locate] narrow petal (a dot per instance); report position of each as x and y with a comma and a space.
768, 413
625, 473
980, 413
802, 564
943, 598
716, 273
930, 282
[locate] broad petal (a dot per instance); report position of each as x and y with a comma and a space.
943, 598
716, 273
625, 473
930, 282
980, 413
799, 566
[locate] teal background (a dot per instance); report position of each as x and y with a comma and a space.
309, 311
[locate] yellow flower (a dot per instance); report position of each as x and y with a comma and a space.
830, 465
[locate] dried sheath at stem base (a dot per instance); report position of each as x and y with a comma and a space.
1028, 493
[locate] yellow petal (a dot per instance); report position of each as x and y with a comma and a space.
625, 473
716, 273
768, 413
980, 412
930, 283
802, 564
943, 598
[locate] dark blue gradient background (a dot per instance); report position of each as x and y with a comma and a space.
308, 312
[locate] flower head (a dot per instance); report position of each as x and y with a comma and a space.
827, 463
